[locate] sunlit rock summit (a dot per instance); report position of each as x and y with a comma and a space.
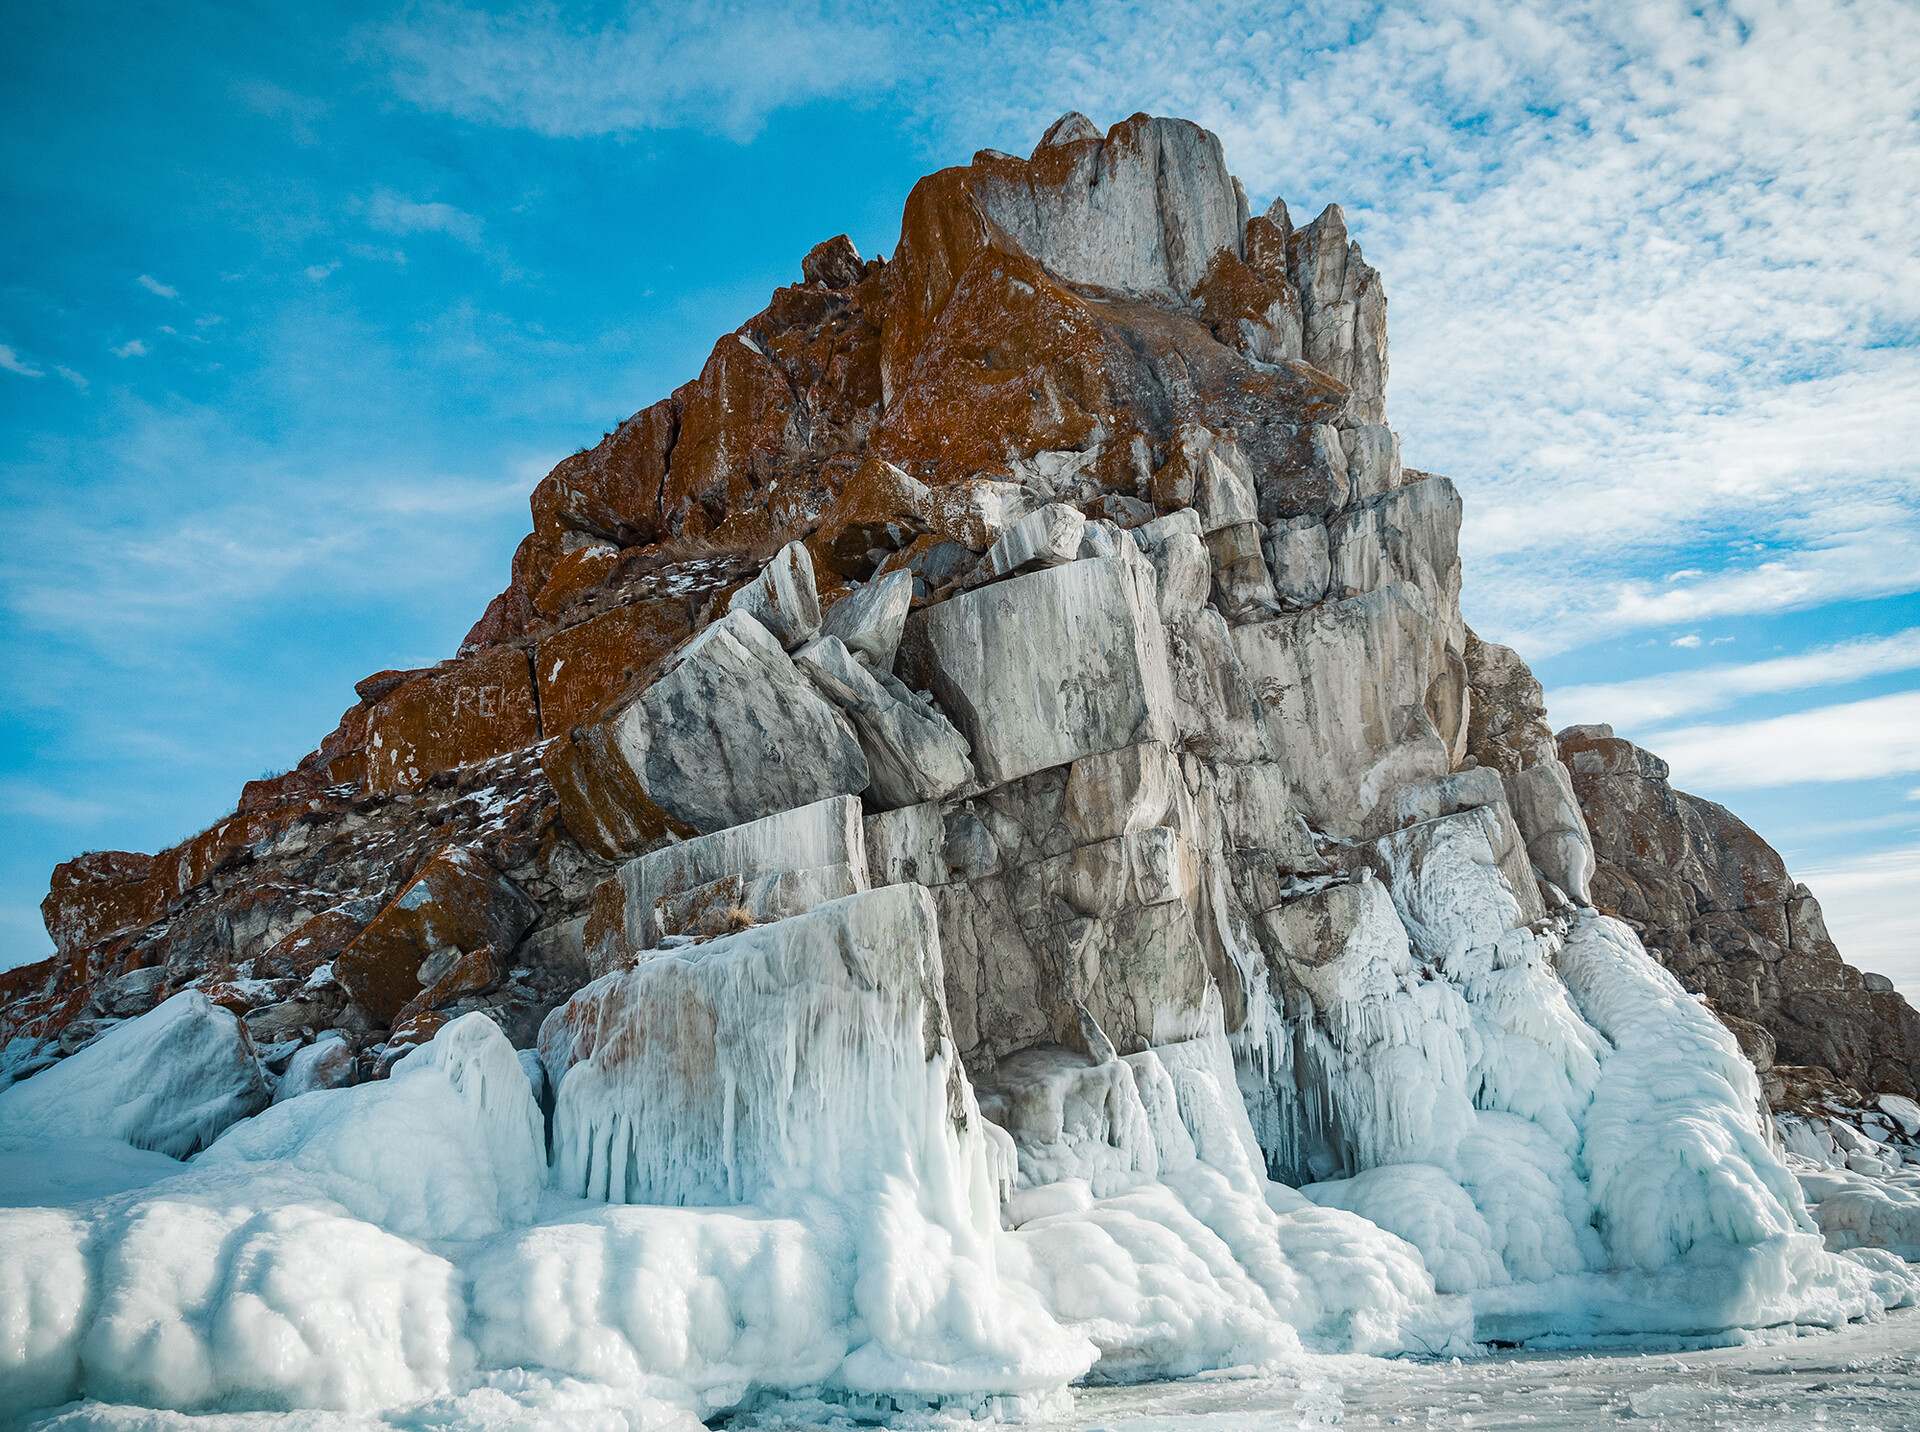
975, 851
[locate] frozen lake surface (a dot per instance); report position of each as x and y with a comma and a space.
1865, 1376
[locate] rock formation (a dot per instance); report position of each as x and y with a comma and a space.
976, 849
1715, 904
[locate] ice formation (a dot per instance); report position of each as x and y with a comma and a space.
1113, 950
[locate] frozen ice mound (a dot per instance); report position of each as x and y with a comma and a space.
289, 1265
1705, 1228
169, 1081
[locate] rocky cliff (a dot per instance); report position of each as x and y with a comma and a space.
995, 765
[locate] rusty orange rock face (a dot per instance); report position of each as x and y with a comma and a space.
456, 902
734, 431
612, 491
1015, 364
574, 576
584, 667
39, 1000
474, 709
99, 895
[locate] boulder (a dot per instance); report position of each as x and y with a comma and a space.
1047, 538
468, 711
913, 752
169, 1081
1044, 668
457, 902
327, 1063
824, 841
733, 732
782, 598
869, 618
1342, 684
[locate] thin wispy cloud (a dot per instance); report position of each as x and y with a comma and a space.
1649, 700
14, 363
132, 348
153, 285
1857, 741
723, 68
77, 379
393, 214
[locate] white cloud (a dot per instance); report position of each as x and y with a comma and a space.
719, 67
1869, 904
1691, 639
13, 363
153, 285
1861, 740
132, 348
1647, 700
78, 380
319, 272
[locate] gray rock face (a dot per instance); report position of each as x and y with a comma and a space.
913, 752
1242, 588
1507, 732
869, 620
1345, 310
1548, 814
1373, 460
734, 732
1041, 669
1297, 555
1182, 566
1214, 706
1143, 208
1223, 489
782, 598
1343, 685
1409, 534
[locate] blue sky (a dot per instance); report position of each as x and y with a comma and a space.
297, 303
